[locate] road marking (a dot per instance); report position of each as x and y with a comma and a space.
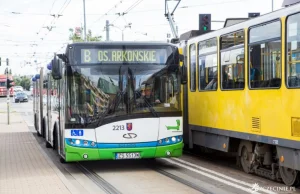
219, 174
227, 182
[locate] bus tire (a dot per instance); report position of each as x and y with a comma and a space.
48, 145
44, 129
62, 160
35, 122
55, 139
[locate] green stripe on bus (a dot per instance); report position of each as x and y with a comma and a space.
76, 154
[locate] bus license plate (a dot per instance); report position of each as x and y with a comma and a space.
122, 156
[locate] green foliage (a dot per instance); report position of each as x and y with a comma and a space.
77, 36
22, 81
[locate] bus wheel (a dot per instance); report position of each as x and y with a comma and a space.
245, 159
48, 145
55, 140
35, 121
44, 129
290, 177
62, 160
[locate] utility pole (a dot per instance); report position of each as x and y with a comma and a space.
7, 91
169, 17
107, 30
84, 20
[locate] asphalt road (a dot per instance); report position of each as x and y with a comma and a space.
188, 174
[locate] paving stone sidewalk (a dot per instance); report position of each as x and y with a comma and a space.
24, 167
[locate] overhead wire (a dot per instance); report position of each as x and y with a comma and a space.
136, 3
53, 21
115, 6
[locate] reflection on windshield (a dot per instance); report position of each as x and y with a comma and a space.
103, 91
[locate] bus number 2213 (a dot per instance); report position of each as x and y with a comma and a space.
118, 127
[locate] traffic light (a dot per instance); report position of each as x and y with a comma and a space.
204, 23
9, 83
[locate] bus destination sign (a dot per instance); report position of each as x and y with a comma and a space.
92, 56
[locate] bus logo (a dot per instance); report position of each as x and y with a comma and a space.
129, 135
129, 126
174, 127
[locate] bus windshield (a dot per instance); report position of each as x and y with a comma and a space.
112, 90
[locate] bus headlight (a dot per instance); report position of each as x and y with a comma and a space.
167, 140
174, 139
93, 144
85, 143
160, 141
77, 141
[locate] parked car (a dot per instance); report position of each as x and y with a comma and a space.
18, 89
21, 97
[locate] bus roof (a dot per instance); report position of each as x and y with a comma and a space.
122, 43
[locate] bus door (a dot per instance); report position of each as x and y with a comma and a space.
61, 96
49, 122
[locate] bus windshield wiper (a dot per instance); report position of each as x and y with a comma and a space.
109, 108
150, 107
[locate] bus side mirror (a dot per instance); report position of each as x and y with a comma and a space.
183, 74
56, 68
183, 70
181, 57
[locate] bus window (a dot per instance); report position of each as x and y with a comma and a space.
265, 56
232, 61
293, 51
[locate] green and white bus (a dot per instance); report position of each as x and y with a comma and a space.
115, 100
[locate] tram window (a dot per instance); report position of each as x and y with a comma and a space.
232, 39
208, 68
208, 72
265, 56
193, 68
232, 61
232, 69
293, 51
267, 31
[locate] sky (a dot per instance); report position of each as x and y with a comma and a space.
29, 34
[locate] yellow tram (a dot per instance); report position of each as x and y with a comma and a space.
243, 93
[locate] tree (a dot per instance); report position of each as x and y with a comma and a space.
76, 35
22, 81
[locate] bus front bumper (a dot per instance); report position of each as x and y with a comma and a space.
85, 154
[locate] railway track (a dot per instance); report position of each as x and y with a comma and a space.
181, 180
220, 160
98, 180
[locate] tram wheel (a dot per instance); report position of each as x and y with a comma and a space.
245, 159
290, 177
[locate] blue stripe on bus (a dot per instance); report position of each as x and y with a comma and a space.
90, 144
127, 145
